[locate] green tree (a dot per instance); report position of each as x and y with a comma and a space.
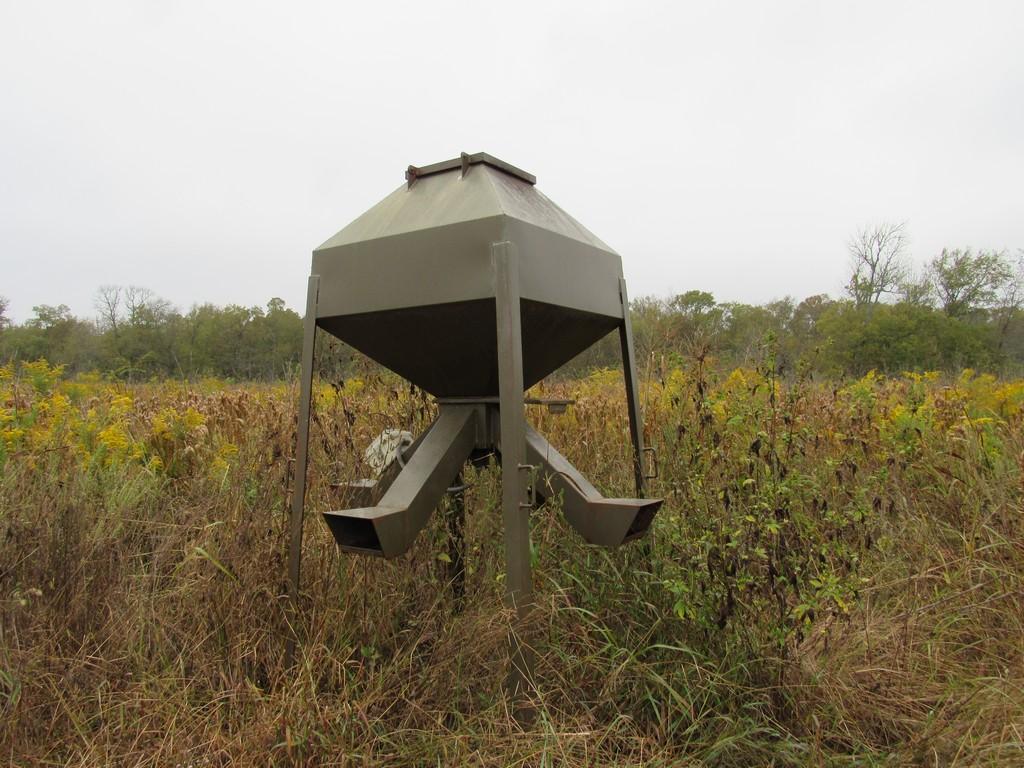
917, 289
141, 332
697, 319
747, 326
900, 337
967, 282
51, 333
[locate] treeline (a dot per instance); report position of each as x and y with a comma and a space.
964, 309
137, 336
834, 337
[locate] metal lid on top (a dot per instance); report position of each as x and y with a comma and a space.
463, 163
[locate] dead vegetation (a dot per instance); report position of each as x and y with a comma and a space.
835, 579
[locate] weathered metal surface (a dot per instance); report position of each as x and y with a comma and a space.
450, 350
412, 276
472, 284
301, 459
607, 522
390, 527
514, 507
516, 491
464, 163
636, 427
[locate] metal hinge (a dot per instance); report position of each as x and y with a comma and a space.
531, 488
653, 464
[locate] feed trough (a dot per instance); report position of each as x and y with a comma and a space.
471, 284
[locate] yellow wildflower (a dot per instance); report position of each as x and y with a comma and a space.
159, 425
193, 419
120, 405
114, 438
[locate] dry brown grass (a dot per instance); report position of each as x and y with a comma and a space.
142, 619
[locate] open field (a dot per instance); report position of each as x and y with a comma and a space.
836, 578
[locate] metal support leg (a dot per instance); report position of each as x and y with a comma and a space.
515, 502
636, 429
301, 461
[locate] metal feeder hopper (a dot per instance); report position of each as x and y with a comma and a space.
473, 285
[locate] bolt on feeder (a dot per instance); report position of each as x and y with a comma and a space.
474, 286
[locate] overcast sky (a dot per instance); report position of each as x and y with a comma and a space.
204, 149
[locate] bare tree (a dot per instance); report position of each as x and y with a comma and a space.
136, 300
143, 307
877, 263
108, 305
4, 320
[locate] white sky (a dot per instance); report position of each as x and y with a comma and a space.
203, 149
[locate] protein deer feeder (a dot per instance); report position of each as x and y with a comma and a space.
473, 285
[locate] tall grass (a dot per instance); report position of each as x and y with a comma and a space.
835, 579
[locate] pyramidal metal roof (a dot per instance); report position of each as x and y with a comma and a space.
410, 283
467, 188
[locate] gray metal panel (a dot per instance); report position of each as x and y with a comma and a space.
430, 244
516, 492
450, 349
436, 201
390, 527
523, 202
463, 164
556, 269
607, 522
449, 198
636, 427
301, 461
445, 264
450, 264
